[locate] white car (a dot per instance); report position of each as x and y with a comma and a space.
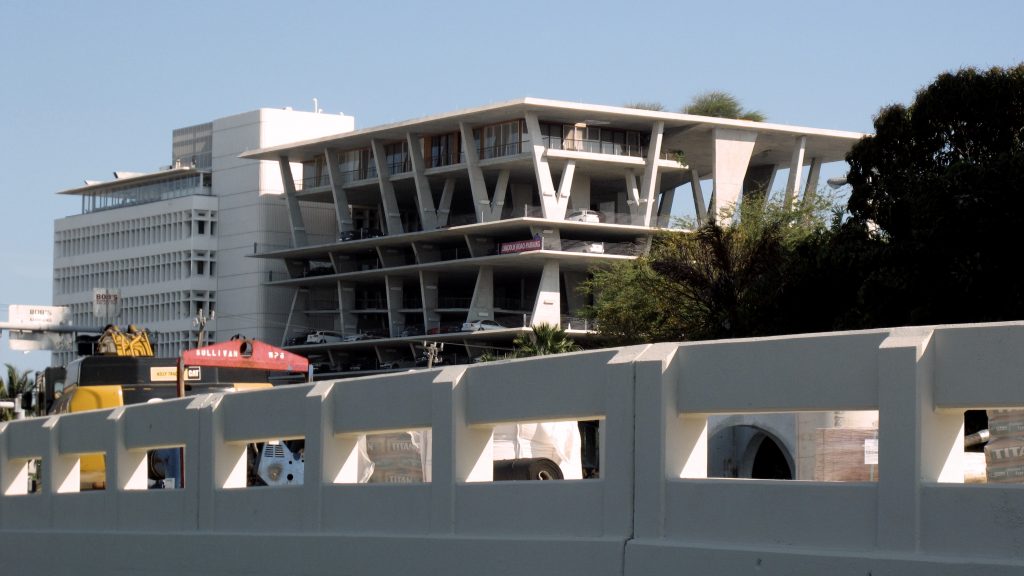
584, 216
481, 325
356, 337
323, 337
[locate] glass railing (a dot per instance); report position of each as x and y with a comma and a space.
505, 149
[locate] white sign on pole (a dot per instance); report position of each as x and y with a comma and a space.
106, 303
36, 315
871, 451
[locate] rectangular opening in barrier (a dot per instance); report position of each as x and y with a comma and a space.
834, 446
92, 473
165, 469
566, 450
276, 463
22, 476
994, 446
402, 457
34, 475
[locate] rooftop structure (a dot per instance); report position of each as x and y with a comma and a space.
173, 242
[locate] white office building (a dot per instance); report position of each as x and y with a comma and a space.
175, 241
495, 214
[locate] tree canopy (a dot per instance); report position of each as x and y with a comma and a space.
943, 181
930, 235
720, 105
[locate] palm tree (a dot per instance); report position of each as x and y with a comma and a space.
720, 105
545, 339
15, 384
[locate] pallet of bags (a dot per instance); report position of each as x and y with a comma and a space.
397, 457
1004, 453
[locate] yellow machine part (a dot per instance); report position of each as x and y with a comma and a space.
132, 343
92, 466
243, 386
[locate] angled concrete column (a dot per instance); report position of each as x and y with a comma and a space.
796, 167
424, 198
392, 217
648, 186
811, 188
732, 152
291, 316
482, 305
633, 198
444, 207
342, 210
547, 308
665, 208
298, 228
428, 293
491, 211
698, 198
394, 295
553, 203
486, 208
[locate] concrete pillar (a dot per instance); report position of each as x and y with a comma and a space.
482, 305
428, 293
547, 308
665, 208
342, 210
444, 207
392, 216
424, 197
396, 321
553, 203
732, 152
298, 228
485, 208
648, 186
811, 188
796, 167
698, 198
916, 443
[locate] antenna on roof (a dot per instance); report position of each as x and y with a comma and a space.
316, 106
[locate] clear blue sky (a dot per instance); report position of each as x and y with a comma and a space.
91, 87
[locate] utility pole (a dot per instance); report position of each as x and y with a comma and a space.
433, 352
200, 321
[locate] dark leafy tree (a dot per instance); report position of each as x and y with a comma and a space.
942, 182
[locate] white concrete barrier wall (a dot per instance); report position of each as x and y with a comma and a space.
653, 511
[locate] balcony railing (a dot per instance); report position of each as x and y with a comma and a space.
605, 147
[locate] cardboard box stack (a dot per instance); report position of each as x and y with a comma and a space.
1004, 453
846, 455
